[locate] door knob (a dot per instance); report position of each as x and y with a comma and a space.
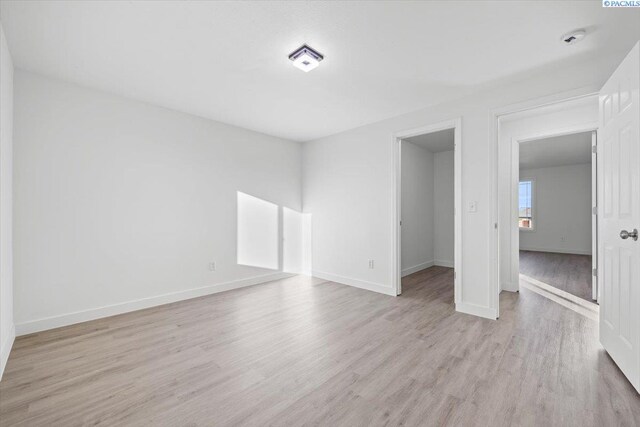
624, 234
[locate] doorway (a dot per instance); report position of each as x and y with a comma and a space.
427, 197
557, 219
548, 136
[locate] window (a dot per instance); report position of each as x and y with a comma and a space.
525, 205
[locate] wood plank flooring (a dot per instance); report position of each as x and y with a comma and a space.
305, 352
568, 272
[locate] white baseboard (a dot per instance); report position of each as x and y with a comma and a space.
558, 251
5, 350
477, 310
416, 268
443, 263
357, 283
509, 287
44, 324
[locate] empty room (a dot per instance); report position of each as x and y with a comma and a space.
556, 211
331, 213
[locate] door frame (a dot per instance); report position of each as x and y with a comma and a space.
493, 124
595, 255
396, 190
494, 117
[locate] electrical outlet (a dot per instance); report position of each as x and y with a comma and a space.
212, 266
371, 264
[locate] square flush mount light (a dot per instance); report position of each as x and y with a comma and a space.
306, 58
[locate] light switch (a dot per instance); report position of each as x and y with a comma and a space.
473, 206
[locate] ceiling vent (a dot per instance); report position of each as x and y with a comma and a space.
573, 37
305, 58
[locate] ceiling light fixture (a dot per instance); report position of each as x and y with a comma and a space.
306, 58
573, 37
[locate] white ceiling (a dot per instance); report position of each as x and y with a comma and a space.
557, 151
435, 142
228, 60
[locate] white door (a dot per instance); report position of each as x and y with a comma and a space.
619, 215
594, 216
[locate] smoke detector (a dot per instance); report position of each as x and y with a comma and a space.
573, 37
306, 58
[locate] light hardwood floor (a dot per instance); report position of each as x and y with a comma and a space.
568, 272
302, 351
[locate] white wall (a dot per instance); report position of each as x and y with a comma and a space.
562, 210
444, 218
549, 120
121, 205
348, 184
417, 209
7, 329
